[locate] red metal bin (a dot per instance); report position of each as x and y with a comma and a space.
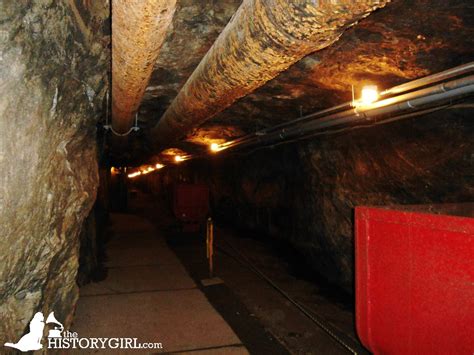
191, 205
415, 281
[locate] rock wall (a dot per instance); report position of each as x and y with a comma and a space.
305, 193
93, 234
53, 76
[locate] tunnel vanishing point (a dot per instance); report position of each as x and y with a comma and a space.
281, 120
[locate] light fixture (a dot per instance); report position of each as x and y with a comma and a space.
147, 170
159, 166
178, 158
132, 175
214, 147
369, 95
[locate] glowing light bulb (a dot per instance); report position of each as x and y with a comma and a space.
159, 166
132, 175
178, 158
369, 95
147, 170
215, 147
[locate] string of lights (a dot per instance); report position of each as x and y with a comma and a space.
421, 96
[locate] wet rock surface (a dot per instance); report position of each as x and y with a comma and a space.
53, 67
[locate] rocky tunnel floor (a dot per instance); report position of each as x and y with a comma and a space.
153, 292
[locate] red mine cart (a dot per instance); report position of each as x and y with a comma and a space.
415, 280
191, 205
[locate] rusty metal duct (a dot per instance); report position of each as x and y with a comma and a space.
139, 28
262, 39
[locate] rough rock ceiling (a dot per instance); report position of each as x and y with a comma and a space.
405, 40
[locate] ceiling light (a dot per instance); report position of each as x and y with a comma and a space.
147, 170
178, 158
132, 175
214, 147
159, 166
369, 95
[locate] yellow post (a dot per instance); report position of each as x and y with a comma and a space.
210, 246
207, 236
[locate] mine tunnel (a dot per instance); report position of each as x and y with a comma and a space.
237, 177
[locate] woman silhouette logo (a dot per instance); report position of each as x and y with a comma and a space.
32, 340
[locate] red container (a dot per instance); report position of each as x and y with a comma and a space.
191, 205
415, 280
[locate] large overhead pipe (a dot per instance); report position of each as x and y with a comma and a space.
262, 39
139, 28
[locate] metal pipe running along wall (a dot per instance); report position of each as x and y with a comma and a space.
263, 38
398, 105
139, 28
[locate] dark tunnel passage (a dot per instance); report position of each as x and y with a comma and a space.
236, 177
174, 208
279, 291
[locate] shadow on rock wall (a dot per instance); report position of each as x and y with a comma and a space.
306, 193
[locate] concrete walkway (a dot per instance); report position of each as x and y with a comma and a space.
148, 295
